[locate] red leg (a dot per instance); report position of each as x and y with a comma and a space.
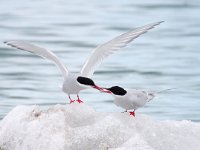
79, 100
71, 101
132, 113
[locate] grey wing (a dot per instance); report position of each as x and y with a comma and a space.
104, 50
138, 98
22, 45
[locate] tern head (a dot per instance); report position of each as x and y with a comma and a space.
88, 82
116, 90
85, 81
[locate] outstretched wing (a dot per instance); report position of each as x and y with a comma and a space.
104, 50
22, 45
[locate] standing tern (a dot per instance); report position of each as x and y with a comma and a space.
131, 99
73, 82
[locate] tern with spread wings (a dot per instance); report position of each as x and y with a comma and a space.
75, 82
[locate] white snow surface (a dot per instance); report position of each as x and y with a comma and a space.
80, 127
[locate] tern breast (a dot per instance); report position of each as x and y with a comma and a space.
70, 85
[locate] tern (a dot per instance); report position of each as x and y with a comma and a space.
131, 99
75, 82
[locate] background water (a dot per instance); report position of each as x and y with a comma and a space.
166, 57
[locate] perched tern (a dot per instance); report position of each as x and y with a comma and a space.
75, 82
131, 99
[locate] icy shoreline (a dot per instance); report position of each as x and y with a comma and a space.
79, 126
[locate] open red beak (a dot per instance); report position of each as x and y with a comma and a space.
102, 89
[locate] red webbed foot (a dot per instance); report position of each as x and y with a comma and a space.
132, 113
79, 100
71, 101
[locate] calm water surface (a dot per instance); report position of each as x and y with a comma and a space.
166, 57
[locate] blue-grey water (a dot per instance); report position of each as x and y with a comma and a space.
166, 57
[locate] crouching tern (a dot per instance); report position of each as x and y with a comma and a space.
75, 82
131, 99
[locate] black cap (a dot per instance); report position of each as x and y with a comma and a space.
117, 90
85, 81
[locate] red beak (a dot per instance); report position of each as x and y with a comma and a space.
102, 89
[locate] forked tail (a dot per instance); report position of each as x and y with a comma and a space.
151, 95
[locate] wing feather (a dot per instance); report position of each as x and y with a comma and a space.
108, 48
22, 45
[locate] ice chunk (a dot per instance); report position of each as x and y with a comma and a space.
80, 127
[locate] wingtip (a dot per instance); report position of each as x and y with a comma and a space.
156, 23
7, 42
162, 21
159, 22
10, 42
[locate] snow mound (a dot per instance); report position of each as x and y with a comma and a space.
80, 127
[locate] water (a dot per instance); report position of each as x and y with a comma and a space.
166, 57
